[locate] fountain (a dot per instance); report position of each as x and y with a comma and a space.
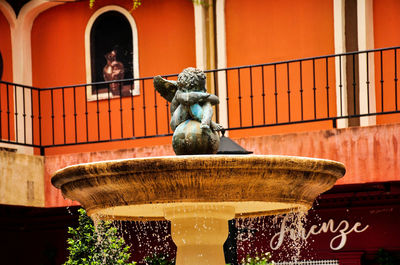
197, 193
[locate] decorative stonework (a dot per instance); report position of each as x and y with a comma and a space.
21, 179
141, 188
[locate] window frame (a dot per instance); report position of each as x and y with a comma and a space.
135, 55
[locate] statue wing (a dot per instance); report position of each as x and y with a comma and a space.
166, 88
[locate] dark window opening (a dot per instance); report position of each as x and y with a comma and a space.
17, 5
111, 36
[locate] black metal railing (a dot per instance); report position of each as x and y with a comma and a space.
313, 89
321, 89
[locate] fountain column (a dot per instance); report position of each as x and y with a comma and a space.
199, 232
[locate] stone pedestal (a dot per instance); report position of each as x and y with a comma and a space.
199, 232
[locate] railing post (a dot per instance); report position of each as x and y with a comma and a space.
341, 90
222, 88
16, 113
1, 122
367, 88
40, 118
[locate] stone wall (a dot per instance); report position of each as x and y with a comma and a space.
21, 179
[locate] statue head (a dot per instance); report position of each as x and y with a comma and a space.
192, 79
111, 56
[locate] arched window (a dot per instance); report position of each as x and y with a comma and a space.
111, 53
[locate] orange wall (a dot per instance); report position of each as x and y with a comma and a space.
7, 121
387, 34
266, 31
166, 45
386, 23
166, 40
263, 31
5, 48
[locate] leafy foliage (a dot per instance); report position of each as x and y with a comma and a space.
262, 259
90, 247
159, 259
383, 257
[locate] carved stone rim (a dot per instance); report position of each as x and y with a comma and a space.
141, 188
196, 162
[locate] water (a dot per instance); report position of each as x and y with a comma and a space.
281, 235
147, 238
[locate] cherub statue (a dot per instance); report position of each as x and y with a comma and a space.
191, 112
114, 70
189, 98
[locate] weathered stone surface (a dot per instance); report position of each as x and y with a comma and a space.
143, 187
21, 179
53, 163
190, 138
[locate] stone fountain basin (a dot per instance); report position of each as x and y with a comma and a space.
142, 188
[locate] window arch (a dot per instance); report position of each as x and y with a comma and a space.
111, 29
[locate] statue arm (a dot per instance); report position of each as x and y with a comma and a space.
174, 105
190, 98
213, 99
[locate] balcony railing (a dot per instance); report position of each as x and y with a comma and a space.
347, 88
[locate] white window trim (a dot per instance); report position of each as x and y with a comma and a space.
365, 17
365, 42
340, 44
221, 62
135, 55
200, 36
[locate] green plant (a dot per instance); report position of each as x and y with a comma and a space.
383, 257
258, 259
159, 259
88, 246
